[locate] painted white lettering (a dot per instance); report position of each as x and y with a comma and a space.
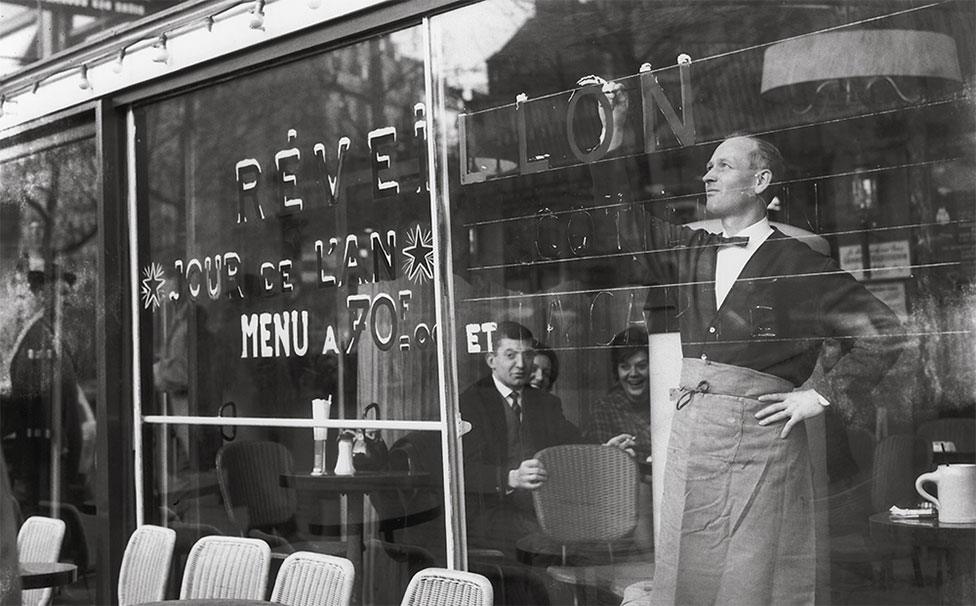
267, 275
380, 162
232, 265
331, 184
299, 332
383, 300
331, 345
282, 334
248, 172
351, 269
264, 324
194, 279
471, 333
249, 334
286, 162
383, 256
284, 268
358, 306
213, 266
325, 279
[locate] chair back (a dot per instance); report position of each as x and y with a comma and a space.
443, 587
314, 579
590, 494
248, 474
898, 460
39, 540
145, 565
226, 567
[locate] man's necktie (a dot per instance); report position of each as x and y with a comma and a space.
733, 241
516, 405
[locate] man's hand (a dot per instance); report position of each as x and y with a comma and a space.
529, 475
794, 406
624, 442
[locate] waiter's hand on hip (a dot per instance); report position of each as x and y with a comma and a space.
793, 406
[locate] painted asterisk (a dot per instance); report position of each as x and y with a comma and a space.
419, 264
151, 285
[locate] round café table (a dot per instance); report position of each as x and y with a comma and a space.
37, 575
355, 486
956, 541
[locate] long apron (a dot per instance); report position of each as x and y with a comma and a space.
737, 519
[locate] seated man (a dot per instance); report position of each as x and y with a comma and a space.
510, 422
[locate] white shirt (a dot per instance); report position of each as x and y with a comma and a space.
506, 391
731, 259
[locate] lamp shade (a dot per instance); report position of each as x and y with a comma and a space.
861, 53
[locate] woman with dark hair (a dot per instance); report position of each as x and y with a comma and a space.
545, 367
625, 410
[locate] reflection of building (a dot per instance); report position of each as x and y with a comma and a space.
32, 31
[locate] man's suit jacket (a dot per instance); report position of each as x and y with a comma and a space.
485, 446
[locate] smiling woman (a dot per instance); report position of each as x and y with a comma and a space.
624, 409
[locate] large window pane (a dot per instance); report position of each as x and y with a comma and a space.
289, 259
578, 122
48, 372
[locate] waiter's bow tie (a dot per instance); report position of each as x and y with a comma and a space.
733, 241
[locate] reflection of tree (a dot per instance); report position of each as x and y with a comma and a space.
50, 199
56, 192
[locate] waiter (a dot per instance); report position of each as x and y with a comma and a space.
754, 307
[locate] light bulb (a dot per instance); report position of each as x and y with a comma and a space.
314, 4
84, 83
160, 52
257, 15
117, 64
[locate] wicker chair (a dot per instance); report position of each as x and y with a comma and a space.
145, 565
39, 540
590, 497
443, 587
226, 567
249, 475
314, 579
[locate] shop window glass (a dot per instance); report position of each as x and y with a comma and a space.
569, 125
48, 372
288, 259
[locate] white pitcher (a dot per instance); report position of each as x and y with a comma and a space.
957, 492
344, 466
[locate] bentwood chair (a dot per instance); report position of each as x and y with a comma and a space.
146, 564
314, 579
39, 540
226, 567
590, 496
443, 587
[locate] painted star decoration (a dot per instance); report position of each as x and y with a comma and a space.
419, 264
151, 285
